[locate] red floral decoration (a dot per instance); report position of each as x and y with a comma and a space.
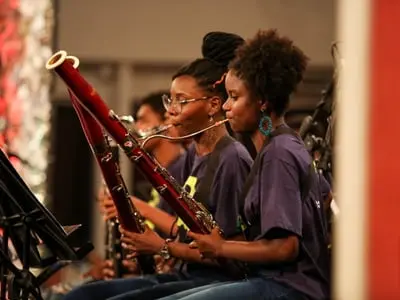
11, 50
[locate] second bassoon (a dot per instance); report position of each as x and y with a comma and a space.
128, 216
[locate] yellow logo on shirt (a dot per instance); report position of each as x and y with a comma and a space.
153, 202
240, 224
154, 198
190, 185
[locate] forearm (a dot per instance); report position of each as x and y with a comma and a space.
161, 220
94, 258
184, 252
262, 251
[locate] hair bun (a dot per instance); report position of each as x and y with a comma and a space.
220, 46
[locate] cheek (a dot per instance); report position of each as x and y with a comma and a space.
183, 119
192, 119
244, 118
239, 110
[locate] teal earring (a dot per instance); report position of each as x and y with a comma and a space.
265, 124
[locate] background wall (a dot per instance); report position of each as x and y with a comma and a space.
166, 31
129, 48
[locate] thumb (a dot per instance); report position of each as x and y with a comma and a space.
216, 230
193, 245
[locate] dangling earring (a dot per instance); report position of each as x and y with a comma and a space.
211, 119
265, 124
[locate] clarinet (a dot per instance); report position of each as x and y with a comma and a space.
113, 247
128, 215
192, 213
114, 250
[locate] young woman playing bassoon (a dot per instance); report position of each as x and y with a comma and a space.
197, 96
287, 247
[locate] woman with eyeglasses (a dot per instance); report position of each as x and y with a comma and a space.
287, 248
216, 167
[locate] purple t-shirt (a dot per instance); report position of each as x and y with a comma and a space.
223, 202
274, 202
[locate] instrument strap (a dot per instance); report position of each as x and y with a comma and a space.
203, 190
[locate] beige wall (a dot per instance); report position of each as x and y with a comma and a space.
167, 31
150, 39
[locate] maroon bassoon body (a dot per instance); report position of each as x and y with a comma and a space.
193, 214
128, 216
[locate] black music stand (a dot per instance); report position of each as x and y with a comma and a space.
38, 238
317, 132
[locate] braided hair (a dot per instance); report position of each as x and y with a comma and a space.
218, 49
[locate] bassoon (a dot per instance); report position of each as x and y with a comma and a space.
114, 250
128, 216
196, 217
113, 247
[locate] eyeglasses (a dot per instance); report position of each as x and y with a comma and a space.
177, 104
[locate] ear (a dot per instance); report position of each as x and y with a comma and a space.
215, 105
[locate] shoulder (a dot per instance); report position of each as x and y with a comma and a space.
236, 153
287, 149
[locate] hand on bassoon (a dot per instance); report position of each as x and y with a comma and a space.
164, 266
95, 271
109, 209
209, 245
108, 268
148, 242
106, 203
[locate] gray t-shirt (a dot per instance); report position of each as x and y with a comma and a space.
223, 202
224, 193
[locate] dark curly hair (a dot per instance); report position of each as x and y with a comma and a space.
271, 67
218, 49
